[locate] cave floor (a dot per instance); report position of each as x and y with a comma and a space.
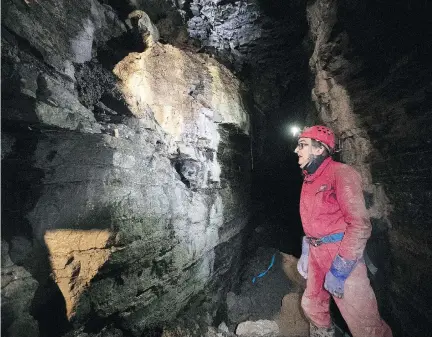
263, 299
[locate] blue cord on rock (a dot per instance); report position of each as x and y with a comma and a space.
266, 271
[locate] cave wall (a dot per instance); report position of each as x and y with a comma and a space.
265, 44
373, 87
128, 186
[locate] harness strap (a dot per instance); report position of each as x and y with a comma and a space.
336, 238
325, 239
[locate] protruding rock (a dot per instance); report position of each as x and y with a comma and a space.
261, 328
17, 291
289, 266
291, 321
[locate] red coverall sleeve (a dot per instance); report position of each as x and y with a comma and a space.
349, 194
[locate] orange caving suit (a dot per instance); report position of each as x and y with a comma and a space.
332, 202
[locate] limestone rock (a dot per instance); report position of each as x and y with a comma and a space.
291, 320
259, 300
20, 250
289, 266
58, 107
140, 22
209, 90
24, 326
108, 331
223, 327
241, 30
93, 82
133, 215
239, 307
212, 332
62, 31
134, 220
76, 257
17, 291
7, 142
39, 96
261, 328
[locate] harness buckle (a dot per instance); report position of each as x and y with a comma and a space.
314, 241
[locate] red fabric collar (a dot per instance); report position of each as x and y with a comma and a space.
311, 177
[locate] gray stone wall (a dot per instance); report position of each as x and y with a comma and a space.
131, 183
373, 85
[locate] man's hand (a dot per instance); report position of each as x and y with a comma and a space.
302, 264
335, 278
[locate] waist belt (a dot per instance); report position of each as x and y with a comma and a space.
325, 239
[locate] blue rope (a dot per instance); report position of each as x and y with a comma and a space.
266, 271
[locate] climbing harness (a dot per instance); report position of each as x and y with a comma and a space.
336, 238
325, 239
266, 271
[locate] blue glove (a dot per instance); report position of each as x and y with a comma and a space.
302, 264
338, 273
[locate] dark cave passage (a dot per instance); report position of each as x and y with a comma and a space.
276, 191
277, 178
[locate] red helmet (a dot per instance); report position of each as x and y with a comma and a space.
320, 133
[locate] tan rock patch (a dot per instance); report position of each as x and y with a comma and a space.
76, 256
289, 266
291, 320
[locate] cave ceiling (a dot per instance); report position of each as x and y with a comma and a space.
264, 43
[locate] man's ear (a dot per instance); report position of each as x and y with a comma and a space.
317, 151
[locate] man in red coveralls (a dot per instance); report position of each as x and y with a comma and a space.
337, 227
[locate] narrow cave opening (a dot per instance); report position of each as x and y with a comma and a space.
277, 178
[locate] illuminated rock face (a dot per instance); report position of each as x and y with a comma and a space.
126, 236
180, 88
189, 96
142, 211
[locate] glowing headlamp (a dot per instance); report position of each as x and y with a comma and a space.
295, 130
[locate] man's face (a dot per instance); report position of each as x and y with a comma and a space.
305, 151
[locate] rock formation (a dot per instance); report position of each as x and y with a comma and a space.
140, 182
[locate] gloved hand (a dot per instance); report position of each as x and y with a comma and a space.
338, 273
302, 264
